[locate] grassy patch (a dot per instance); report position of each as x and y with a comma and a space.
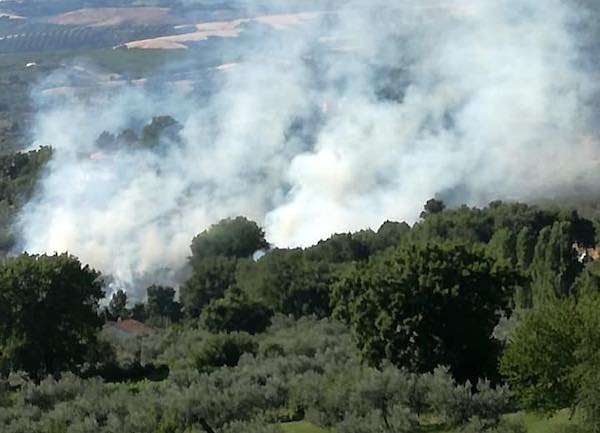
535, 424
301, 427
543, 424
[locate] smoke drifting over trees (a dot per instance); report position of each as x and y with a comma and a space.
336, 123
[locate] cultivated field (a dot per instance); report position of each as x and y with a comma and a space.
102, 17
221, 29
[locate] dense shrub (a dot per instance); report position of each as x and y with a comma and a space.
235, 312
398, 420
224, 350
455, 404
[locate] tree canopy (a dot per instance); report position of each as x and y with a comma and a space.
424, 305
49, 310
539, 358
235, 238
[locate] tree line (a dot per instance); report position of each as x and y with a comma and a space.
498, 293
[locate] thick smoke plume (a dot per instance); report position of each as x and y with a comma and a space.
336, 124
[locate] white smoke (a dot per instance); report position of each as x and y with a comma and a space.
493, 105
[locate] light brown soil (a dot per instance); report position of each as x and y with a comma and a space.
221, 29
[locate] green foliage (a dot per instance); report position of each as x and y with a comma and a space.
317, 374
236, 238
48, 313
456, 404
588, 282
161, 303
421, 306
502, 247
224, 350
211, 277
525, 247
138, 312
288, 283
555, 266
539, 358
18, 176
587, 370
388, 235
414, 299
432, 206
480, 225
235, 312
338, 248
117, 307
463, 224
398, 420
161, 127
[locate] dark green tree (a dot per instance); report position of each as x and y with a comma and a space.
424, 305
161, 127
555, 264
224, 350
391, 234
48, 313
162, 304
117, 307
288, 283
138, 312
211, 277
464, 224
18, 176
338, 248
235, 312
433, 206
237, 237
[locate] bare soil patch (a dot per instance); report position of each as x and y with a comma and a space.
221, 29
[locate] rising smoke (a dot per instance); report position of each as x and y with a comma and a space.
335, 124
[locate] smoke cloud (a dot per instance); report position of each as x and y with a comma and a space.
336, 123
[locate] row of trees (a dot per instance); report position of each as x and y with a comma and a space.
421, 297
418, 297
26, 36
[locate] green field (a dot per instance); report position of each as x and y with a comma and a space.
540, 424
535, 424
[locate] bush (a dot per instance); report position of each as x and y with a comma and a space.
224, 350
212, 276
399, 420
236, 238
539, 359
235, 312
456, 404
